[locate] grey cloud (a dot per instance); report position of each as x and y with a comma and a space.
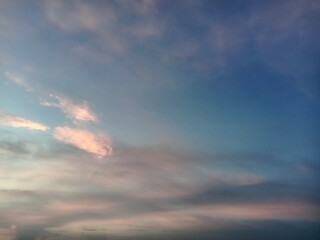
270, 191
18, 148
263, 230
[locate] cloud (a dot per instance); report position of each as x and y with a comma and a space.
113, 31
76, 112
18, 81
80, 17
96, 143
75, 16
14, 150
144, 190
11, 120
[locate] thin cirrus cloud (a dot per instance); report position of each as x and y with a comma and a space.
108, 32
96, 143
124, 205
11, 120
76, 112
18, 80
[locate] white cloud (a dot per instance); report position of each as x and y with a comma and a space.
97, 143
20, 122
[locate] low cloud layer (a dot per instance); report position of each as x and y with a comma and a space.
143, 191
96, 143
15, 121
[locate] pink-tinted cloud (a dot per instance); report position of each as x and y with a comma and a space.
96, 143
76, 112
20, 122
6, 233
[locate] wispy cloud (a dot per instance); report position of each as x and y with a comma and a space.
151, 189
18, 80
11, 120
14, 150
76, 112
109, 35
96, 143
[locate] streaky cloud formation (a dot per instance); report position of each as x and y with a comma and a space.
76, 112
177, 119
18, 81
106, 25
15, 121
151, 189
97, 143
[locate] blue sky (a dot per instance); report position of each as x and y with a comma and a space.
163, 119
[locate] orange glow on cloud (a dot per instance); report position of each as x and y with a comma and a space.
96, 143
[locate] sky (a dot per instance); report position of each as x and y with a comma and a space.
159, 119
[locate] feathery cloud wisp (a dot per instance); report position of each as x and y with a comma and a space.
76, 112
18, 122
18, 81
97, 143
